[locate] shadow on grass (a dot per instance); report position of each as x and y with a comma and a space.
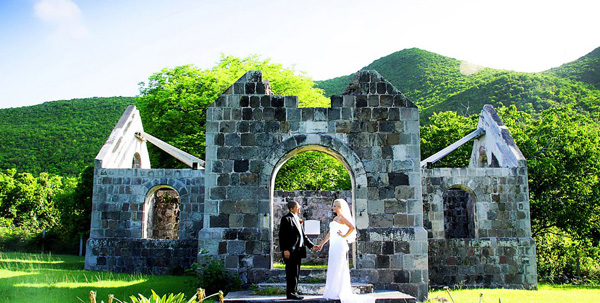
64, 280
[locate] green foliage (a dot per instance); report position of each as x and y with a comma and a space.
563, 152
268, 291
27, 201
173, 103
563, 259
214, 277
444, 129
60, 206
75, 206
312, 170
154, 298
585, 69
59, 137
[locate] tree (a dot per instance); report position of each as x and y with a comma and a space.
29, 202
313, 170
75, 205
444, 129
173, 103
563, 160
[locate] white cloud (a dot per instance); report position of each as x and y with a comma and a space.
65, 15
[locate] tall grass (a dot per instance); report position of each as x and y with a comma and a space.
60, 278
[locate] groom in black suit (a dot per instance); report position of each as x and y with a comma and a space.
293, 243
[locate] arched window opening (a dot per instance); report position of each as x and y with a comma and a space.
162, 214
137, 161
314, 178
458, 214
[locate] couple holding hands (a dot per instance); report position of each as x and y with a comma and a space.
293, 243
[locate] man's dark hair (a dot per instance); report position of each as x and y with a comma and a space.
291, 204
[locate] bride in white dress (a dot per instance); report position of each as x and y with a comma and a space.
342, 232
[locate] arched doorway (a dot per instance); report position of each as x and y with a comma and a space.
161, 214
316, 204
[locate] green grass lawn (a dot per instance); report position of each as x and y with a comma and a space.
60, 278
546, 294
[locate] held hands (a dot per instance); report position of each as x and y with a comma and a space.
317, 248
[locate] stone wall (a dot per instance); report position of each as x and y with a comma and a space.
148, 256
372, 129
500, 252
501, 206
120, 208
483, 262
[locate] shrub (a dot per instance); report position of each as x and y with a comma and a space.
563, 259
214, 277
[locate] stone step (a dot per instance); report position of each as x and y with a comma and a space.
317, 288
380, 297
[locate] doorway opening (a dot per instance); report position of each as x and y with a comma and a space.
314, 177
161, 214
458, 214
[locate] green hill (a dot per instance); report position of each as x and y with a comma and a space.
585, 69
59, 137
438, 83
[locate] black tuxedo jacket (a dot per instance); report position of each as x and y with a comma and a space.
289, 237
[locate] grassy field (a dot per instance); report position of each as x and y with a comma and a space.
546, 294
58, 278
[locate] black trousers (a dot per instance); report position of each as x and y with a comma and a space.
292, 272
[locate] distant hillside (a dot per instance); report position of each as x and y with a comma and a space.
437, 83
59, 137
585, 69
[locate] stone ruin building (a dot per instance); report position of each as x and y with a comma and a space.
418, 226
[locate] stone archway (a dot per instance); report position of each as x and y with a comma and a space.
331, 146
372, 127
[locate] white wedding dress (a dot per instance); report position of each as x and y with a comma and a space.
338, 284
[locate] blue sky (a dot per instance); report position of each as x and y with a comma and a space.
64, 49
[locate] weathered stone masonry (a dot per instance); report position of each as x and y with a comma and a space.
373, 129
500, 252
417, 226
116, 242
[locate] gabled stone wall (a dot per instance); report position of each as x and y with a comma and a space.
373, 129
406, 241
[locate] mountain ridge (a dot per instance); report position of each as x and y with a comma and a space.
438, 83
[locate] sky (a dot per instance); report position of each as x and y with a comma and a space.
65, 49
